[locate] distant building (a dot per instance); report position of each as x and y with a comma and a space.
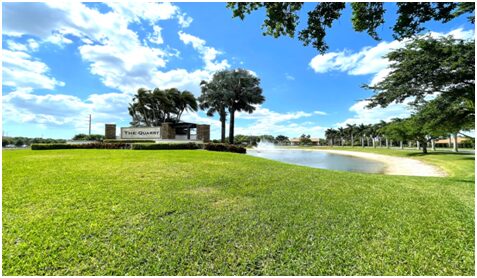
296, 141
448, 142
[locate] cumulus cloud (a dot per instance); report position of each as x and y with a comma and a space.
113, 51
266, 121
23, 106
370, 59
375, 115
209, 54
184, 20
320, 113
21, 71
156, 37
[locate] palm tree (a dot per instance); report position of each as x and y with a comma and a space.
242, 94
341, 133
213, 99
381, 128
151, 108
183, 101
361, 131
372, 132
351, 129
330, 135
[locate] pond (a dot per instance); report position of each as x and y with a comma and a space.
321, 160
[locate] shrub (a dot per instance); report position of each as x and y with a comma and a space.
86, 137
80, 146
167, 146
224, 148
127, 141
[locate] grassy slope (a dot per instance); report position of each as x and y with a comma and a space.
79, 212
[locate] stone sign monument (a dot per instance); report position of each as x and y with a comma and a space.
181, 131
140, 132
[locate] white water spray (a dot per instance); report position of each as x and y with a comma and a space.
265, 145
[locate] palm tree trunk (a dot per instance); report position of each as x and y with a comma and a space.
424, 147
352, 140
374, 142
387, 142
400, 145
231, 127
222, 131
433, 145
418, 145
362, 141
455, 142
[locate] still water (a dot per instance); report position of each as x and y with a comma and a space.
321, 160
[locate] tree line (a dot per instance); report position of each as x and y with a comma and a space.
397, 132
253, 140
19, 141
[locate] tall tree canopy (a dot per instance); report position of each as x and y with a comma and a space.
151, 108
282, 18
213, 99
234, 90
437, 77
427, 66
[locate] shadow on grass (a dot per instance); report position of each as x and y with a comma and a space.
464, 181
468, 155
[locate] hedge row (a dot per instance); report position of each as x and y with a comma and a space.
80, 146
128, 141
224, 148
167, 146
143, 146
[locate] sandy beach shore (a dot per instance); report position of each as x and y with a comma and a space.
397, 165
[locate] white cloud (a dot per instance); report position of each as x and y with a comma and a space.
374, 115
20, 70
289, 77
184, 20
33, 45
115, 52
58, 39
266, 121
156, 37
367, 61
30, 45
209, 54
23, 106
320, 113
16, 46
370, 59
134, 11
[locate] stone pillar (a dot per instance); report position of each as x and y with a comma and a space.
203, 133
109, 131
167, 131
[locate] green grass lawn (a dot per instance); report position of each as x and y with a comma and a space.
121, 212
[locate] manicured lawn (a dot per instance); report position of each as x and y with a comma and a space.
121, 212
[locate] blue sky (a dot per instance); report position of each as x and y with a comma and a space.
64, 61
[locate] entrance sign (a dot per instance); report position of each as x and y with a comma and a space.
141, 133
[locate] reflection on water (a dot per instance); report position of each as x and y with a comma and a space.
321, 160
